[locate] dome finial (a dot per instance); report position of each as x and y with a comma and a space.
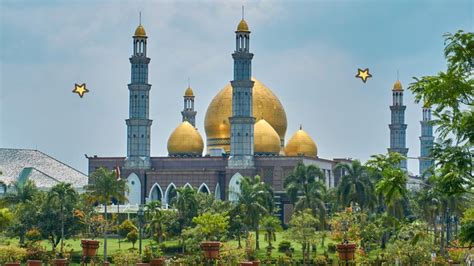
140, 18
242, 12
243, 27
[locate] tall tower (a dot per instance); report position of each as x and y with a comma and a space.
188, 112
138, 124
397, 126
426, 142
242, 120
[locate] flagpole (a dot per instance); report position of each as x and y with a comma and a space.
117, 173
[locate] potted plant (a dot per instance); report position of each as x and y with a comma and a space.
346, 250
153, 255
250, 253
35, 254
89, 247
213, 226
11, 255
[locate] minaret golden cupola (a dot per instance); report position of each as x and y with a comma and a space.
185, 141
397, 86
266, 139
301, 144
140, 31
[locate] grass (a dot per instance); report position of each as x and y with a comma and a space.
113, 246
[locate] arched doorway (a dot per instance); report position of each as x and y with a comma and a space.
156, 194
234, 187
217, 192
204, 189
171, 194
134, 193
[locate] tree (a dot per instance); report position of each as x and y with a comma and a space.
104, 186
305, 189
186, 204
451, 94
6, 218
132, 237
303, 230
64, 193
155, 217
271, 225
393, 181
254, 201
21, 193
355, 185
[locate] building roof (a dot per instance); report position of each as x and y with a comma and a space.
44, 170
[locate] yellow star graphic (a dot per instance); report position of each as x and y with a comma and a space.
363, 74
80, 89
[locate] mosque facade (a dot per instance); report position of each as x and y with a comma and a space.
245, 126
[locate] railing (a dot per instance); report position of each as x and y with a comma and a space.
126, 208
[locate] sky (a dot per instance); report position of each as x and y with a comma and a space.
307, 52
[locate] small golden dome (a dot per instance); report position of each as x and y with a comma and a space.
140, 31
185, 140
264, 104
397, 86
266, 139
243, 27
189, 92
301, 144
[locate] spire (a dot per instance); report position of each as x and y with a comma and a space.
140, 19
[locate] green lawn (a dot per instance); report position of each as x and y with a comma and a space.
113, 245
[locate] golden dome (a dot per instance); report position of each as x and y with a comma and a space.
185, 140
243, 27
265, 105
189, 92
397, 86
140, 31
266, 139
301, 144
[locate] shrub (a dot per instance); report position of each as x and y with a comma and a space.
125, 228
284, 246
125, 258
11, 254
132, 237
331, 248
33, 235
37, 252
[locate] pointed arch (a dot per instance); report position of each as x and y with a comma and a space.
217, 191
234, 187
203, 188
170, 194
188, 185
134, 193
156, 193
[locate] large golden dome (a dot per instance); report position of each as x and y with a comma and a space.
301, 144
266, 139
265, 105
185, 140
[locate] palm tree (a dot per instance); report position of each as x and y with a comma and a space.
271, 225
155, 216
186, 204
306, 190
355, 185
104, 186
64, 193
254, 200
21, 193
393, 188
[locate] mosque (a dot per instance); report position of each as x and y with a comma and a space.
245, 126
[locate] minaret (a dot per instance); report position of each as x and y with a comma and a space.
138, 124
397, 126
426, 142
242, 120
188, 112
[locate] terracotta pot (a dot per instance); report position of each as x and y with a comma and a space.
256, 262
34, 263
12, 264
143, 264
211, 249
346, 251
106, 263
60, 262
246, 263
157, 262
89, 247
